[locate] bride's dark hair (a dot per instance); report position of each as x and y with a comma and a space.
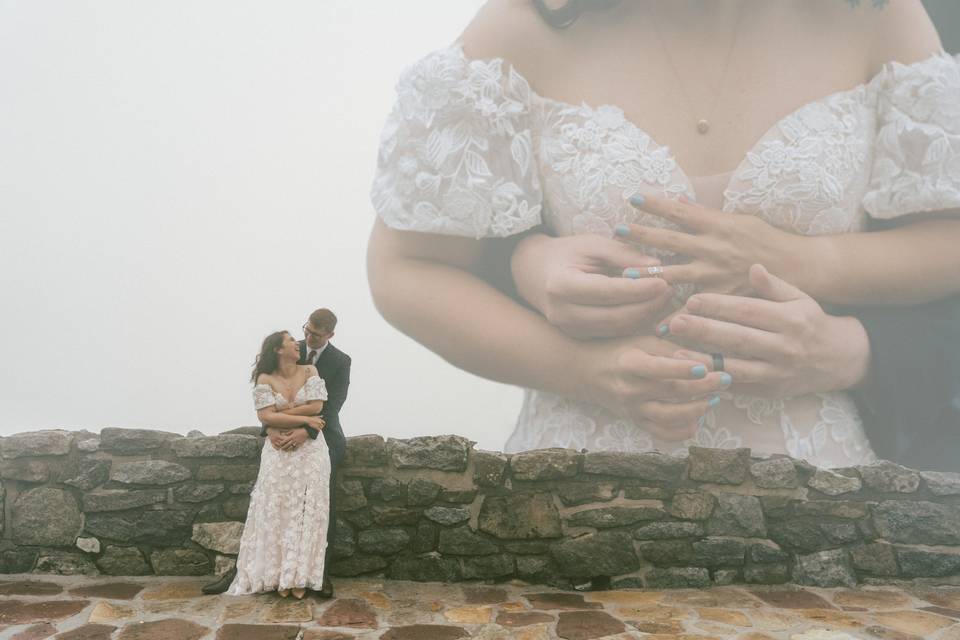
267, 360
566, 14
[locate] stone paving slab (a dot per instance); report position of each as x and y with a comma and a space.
82, 608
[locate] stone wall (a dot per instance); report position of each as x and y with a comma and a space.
135, 502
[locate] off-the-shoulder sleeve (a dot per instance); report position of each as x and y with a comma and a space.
456, 154
314, 389
263, 396
916, 166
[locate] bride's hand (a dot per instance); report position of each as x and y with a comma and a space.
721, 246
577, 284
781, 345
314, 421
638, 379
295, 438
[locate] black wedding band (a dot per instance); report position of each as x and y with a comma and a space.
717, 361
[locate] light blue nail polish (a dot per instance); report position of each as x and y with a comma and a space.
631, 273
726, 379
698, 371
714, 401
637, 200
663, 330
621, 230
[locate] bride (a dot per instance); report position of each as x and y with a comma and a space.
285, 535
797, 122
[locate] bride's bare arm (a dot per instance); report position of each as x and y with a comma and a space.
312, 408
909, 264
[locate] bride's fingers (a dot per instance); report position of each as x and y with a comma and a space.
682, 211
619, 255
664, 239
598, 289
644, 365
743, 371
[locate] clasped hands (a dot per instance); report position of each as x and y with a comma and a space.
290, 439
654, 365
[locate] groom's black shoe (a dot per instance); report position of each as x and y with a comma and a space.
222, 584
327, 590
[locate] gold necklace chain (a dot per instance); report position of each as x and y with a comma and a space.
703, 125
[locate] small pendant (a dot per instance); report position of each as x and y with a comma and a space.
703, 126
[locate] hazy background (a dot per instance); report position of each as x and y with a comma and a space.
178, 179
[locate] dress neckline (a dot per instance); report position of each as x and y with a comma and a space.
742, 165
296, 393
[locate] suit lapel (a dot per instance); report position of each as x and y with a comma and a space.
303, 352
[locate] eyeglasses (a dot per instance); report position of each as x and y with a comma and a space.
307, 331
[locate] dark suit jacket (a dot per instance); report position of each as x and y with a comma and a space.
910, 404
333, 366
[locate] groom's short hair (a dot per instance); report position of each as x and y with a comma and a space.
324, 320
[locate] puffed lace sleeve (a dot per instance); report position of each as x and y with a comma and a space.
456, 153
916, 166
263, 396
314, 389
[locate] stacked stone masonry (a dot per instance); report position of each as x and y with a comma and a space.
139, 502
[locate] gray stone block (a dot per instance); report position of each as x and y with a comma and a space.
134, 441
224, 446
52, 442
608, 517
121, 499
46, 517
444, 453
489, 468
383, 542
778, 473
653, 467
720, 466
545, 464
825, 569
605, 553
737, 515
834, 484
159, 472
447, 515
887, 477
498, 516
917, 522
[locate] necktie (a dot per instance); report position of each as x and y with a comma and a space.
311, 356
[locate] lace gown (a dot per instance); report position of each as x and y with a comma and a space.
470, 150
285, 535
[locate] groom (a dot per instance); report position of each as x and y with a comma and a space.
333, 366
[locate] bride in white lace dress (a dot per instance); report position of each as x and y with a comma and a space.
285, 535
805, 118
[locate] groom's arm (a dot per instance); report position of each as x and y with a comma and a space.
337, 386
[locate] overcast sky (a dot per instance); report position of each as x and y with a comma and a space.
180, 178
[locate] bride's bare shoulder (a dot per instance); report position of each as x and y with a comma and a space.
902, 31
512, 30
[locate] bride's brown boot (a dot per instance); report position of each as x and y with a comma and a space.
298, 593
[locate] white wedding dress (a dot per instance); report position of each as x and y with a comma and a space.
285, 535
471, 150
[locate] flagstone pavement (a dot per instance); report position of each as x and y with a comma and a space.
77, 608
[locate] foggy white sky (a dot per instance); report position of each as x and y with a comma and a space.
178, 179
